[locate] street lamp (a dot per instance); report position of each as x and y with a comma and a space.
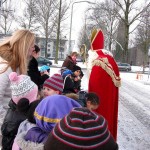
69, 47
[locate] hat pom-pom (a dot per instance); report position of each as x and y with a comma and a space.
13, 76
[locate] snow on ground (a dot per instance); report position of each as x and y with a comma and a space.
134, 112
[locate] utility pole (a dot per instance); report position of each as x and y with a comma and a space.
58, 33
0, 6
69, 42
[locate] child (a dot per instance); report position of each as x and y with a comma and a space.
48, 112
25, 125
77, 83
66, 73
22, 88
53, 85
89, 100
33, 70
92, 101
44, 69
69, 82
81, 129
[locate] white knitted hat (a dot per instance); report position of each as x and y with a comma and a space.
22, 87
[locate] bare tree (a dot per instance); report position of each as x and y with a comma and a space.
83, 35
128, 13
28, 19
142, 38
47, 12
104, 16
6, 17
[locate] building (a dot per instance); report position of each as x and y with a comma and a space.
51, 47
138, 57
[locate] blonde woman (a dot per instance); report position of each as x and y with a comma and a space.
14, 55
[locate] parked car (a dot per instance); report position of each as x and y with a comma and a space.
124, 66
51, 58
43, 61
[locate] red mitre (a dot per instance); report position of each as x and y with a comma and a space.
97, 39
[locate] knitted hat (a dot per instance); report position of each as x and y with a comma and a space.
22, 87
81, 129
52, 109
75, 68
55, 82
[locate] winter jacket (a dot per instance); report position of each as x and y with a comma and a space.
77, 85
69, 63
36, 134
69, 86
5, 92
23, 128
27, 145
10, 126
34, 73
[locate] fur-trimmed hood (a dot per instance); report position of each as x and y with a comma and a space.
28, 145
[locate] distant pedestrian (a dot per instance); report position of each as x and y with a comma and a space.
15, 52
70, 61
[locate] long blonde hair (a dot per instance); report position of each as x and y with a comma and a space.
15, 50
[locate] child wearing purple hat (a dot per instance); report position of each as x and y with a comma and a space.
49, 112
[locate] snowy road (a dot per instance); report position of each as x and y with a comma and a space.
134, 115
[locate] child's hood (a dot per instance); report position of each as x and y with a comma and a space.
27, 145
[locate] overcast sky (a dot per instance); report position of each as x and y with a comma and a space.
78, 17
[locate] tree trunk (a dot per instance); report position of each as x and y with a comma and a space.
58, 32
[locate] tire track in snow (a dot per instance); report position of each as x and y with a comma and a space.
136, 102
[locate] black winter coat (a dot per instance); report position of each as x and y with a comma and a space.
34, 73
10, 126
69, 86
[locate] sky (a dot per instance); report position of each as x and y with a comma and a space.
78, 16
